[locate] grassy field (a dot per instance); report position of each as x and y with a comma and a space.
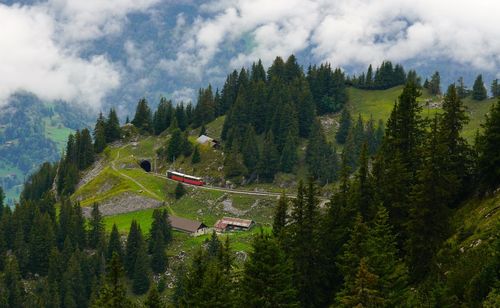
56, 131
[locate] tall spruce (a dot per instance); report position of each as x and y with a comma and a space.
135, 243
143, 118
115, 244
479, 92
489, 151
100, 134
428, 215
344, 126
113, 130
267, 275
280, 216
96, 232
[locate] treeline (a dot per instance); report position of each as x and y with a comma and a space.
64, 260
385, 76
380, 242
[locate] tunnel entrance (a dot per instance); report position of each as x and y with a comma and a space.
146, 165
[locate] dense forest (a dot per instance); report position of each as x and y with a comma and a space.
380, 241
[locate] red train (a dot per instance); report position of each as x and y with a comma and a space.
181, 177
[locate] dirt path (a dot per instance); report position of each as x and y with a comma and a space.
113, 166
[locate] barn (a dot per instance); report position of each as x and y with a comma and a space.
204, 139
186, 225
233, 224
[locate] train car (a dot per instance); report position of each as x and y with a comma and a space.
184, 178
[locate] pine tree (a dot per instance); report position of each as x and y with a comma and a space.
267, 277
495, 88
320, 156
115, 244
12, 280
269, 159
250, 149
86, 150
41, 241
162, 116
112, 126
383, 259
196, 156
100, 134
364, 192
435, 84
457, 162
141, 276
345, 125
154, 299
353, 251
143, 118
479, 92
289, 155
280, 216
303, 244
160, 223
114, 293
488, 150
304, 104
96, 232
180, 190
135, 243
175, 146
159, 257
462, 91
428, 214
365, 290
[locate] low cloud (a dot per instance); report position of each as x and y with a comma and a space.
343, 32
42, 47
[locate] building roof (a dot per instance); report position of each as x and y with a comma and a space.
233, 221
204, 139
185, 225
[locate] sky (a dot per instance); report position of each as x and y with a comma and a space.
91, 52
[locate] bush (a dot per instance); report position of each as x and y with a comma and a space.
180, 190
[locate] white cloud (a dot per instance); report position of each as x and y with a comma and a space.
185, 95
90, 19
41, 47
344, 32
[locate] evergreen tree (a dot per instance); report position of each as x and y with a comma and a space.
41, 241
364, 292
154, 299
495, 88
479, 92
196, 156
457, 161
114, 293
289, 155
175, 146
233, 164
112, 126
143, 118
13, 283
135, 242
304, 104
489, 151
428, 215
159, 257
462, 91
435, 84
114, 244
205, 110
269, 159
320, 157
383, 259
345, 125
364, 193
86, 150
267, 277
100, 134
160, 223
353, 251
250, 149
180, 191
280, 216
96, 232
141, 276
162, 116
303, 244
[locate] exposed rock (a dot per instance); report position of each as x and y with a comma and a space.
124, 203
